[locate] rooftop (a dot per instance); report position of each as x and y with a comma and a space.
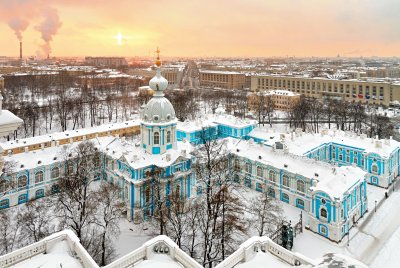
334, 181
301, 143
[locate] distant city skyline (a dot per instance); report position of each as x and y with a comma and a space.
253, 28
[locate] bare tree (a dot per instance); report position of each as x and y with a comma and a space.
76, 201
221, 218
38, 220
267, 213
9, 229
110, 211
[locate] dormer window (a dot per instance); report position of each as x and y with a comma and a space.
155, 118
168, 116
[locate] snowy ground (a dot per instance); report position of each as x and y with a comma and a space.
375, 240
132, 237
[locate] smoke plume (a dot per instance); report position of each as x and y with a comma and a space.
19, 14
48, 28
18, 25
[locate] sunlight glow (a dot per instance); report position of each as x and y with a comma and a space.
119, 38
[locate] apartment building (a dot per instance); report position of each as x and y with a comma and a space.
106, 61
282, 100
372, 91
174, 75
222, 79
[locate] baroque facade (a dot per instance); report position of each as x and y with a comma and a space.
332, 196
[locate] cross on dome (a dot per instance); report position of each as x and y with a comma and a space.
158, 61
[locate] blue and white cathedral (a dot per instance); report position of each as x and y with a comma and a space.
159, 153
289, 167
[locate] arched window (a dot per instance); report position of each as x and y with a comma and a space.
4, 185
300, 186
55, 188
55, 173
374, 168
259, 172
168, 136
285, 197
39, 193
126, 192
22, 198
5, 203
323, 213
156, 139
272, 175
22, 181
70, 169
248, 168
39, 177
178, 191
237, 165
271, 192
147, 195
285, 181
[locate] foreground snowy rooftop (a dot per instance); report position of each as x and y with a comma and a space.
58, 255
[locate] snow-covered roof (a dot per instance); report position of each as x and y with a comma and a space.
192, 126
218, 72
230, 120
302, 143
8, 122
8, 145
47, 156
136, 157
282, 92
334, 181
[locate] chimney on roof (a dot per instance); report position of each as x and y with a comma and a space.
378, 144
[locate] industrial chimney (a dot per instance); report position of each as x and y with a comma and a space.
20, 50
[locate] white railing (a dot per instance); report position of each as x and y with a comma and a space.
158, 245
148, 249
251, 247
44, 245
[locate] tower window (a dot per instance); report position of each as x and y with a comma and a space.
156, 138
168, 136
324, 213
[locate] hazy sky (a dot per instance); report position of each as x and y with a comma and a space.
201, 27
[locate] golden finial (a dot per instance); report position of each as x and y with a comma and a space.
158, 61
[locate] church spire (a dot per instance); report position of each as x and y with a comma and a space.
158, 83
158, 61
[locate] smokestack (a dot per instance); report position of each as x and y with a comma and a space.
20, 50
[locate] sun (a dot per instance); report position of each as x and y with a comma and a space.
119, 38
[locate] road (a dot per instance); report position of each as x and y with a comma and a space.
374, 232
190, 76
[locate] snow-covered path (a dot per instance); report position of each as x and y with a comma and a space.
374, 233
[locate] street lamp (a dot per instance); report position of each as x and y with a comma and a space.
375, 205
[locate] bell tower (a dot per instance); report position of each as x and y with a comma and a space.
158, 121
